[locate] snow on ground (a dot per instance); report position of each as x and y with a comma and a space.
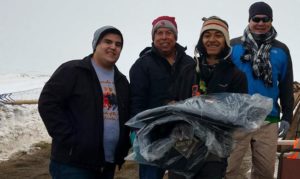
20, 125
21, 82
20, 128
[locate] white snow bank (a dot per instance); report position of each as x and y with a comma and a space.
10, 83
20, 127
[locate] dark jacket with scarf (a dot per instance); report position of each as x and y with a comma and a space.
71, 105
152, 77
225, 78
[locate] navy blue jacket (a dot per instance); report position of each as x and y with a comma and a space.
226, 78
71, 108
152, 77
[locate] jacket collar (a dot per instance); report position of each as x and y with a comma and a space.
86, 63
180, 50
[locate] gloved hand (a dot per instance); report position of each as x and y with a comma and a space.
283, 128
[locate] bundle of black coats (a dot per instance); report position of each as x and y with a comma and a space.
180, 136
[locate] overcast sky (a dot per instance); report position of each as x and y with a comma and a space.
39, 35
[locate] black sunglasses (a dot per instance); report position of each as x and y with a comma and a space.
258, 19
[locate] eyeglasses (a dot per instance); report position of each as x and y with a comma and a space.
258, 19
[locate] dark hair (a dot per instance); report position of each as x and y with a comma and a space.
200, 47
110, 31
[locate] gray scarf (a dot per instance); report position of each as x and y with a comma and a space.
259, 56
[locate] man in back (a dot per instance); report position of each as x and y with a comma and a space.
268, 67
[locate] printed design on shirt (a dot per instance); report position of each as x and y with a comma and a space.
110, 104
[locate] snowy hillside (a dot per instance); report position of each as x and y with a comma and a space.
20, 125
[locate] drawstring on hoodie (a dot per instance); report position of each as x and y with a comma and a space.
197, 56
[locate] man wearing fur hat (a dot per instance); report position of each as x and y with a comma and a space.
154, 73
268, 67
213, 73
84, 106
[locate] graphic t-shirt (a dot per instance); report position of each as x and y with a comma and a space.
110, 111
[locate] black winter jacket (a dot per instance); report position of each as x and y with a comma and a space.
71, 107
152, 77
225, 78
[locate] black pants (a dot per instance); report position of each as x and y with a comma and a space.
210, 170
65, 171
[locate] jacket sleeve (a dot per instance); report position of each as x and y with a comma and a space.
239, 82
52, 104
182, 87
139, 87
286, 92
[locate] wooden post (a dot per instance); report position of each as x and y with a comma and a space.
19, 102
